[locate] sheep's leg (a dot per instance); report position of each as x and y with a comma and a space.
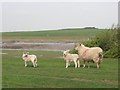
97, 62
84, 64
88, 64
78, 63
25, 64
98, 66
33, 64
67, 63
36, 62
75, 64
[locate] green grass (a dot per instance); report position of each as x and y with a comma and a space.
66, 35
51, 72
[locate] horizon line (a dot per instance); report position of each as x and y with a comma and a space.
30, 30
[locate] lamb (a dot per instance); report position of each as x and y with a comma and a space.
88, 54
71, 57
27, 58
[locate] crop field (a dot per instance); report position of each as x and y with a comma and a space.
51, 72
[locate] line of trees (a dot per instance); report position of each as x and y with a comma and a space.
90, 28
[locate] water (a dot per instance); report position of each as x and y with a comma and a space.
48, 46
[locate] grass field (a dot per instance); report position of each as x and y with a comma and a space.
67, 35
51, 72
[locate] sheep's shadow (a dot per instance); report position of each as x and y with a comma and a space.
90, 66
81, 66
31, 66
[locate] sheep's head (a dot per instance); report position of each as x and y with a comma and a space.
82, 45
76, 48
78, 45
25, 54
65, 52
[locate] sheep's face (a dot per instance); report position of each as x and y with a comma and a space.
65, 52
79, 46
25, 55
76, 48
82, 45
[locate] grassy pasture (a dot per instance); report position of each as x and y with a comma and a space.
66, 35
51, 72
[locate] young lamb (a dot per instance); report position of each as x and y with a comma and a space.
33, 58
71, 57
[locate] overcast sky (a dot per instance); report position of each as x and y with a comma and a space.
17, 16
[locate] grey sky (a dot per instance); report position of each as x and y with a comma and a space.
56, 15
119, 14
0, 16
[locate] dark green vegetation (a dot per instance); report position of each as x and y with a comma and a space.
108, 41
51, 72
66, 35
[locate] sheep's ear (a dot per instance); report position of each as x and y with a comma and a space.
80, 44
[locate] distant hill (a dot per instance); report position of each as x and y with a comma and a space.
79, 28
63, 35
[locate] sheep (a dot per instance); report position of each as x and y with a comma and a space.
88, 54
33, 58
71, 57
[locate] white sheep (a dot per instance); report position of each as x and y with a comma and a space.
88, 54
71, 57
29, 58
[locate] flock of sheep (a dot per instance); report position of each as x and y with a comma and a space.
86, 54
